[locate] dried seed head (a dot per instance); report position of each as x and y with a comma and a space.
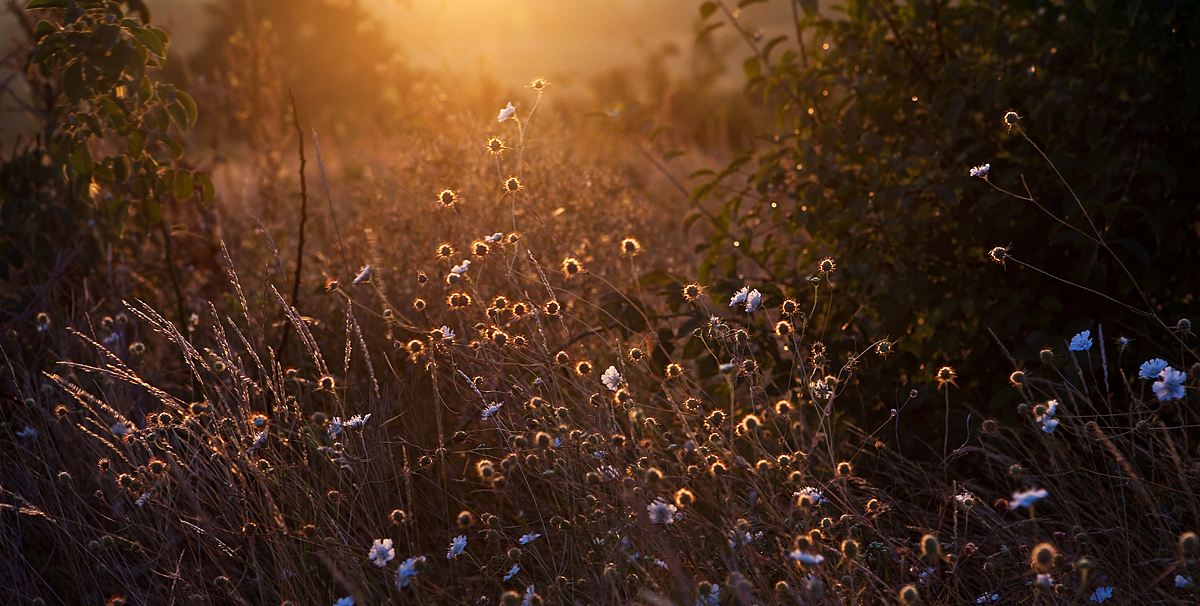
636, 354
539, 84
479, 248
931, 548
495, 146
583, 368
673, 370
1189, 544
783, 328
630, 247
419, 304
447, 198
571, 267
684, 497
552, 308
512, 185
946, 375
692, 291
789, 307
1043, 556
1017, 378
458, 300
827, 265
398, 516
464, 519
445, 251
998, 254
909, 596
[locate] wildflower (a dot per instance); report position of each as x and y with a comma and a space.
346, 601
630, 247
1171, 385
408, 570
1049, 423
381, 552
1044, 580
28, 432
512, 572
1101, 594
1027, 498
491, 410
496, 146
611, 378
1122, 343
813, 495
122, 429
461, 268
457, 546
356, 421
1151, 368
506, 113
753, 299
981, 171
363, 275
527, 600
1182, 581
946, 375
985, 598
661, 512
335, 427
446, 332
965, 498
571, 267
529, 538
1081, 341
447, 198
739, 296
711, 597
806, 558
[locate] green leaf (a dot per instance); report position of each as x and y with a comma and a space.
152, 42
708, 29
207, 191
707, 9
120, 168
184, 186
175, 146
751, 68
81, 160
151, 210
33, 4
74, 86
745, 3
137, 143
43, 29
189, 107
810, 7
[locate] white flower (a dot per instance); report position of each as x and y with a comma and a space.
122, 429
1027, 498
363, 274
1044, 580
512, 572
1049, 423
528, 599
407, 571
1151, 368
529, 538
335, 427
381, 552
492, 239
806, 558
506, 113
963, 497
461, 268
259, 440
753, 299
1101, 594
491, 410
1081, 341
739, 297
813, 494
28, 432
356, 421
711, 598
346, 601
446, 332
1182, 581
141, 502
611, 378
661, 512
457, 546
981, 171
745, 538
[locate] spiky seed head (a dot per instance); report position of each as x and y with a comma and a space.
636, 354
692, 291
673, 370
499, 338
783, 328
750, 424
422, 279
543, 439
562, 358
464, 519
479, 248
398, 516
447, 198
827, 265
850, 549
458, 300
789, 307
445, 251
684, 497
539, 84
519, 309
512, 185
552, 308
946, 375
571, 267
909, 596
495, 146
1017, 378
630, 247
885, 348
654, 475
998, 254
845, 468
583, 368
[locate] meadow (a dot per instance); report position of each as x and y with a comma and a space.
905, 318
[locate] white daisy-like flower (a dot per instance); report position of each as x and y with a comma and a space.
446, 332
407, 571
753, 299
461, 268
806, 558
1027, 498
457, 546
491, 410
506, 113
661, 512
611, 378
381, 552
363, 274
981, 171
739, 297
356, 421
122, 429
529, 538
512, 572
813, 494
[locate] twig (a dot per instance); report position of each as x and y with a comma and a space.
303, 218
